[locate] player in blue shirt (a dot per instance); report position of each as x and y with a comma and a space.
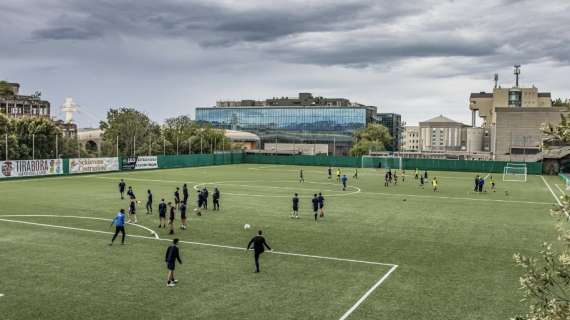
119, 222
344, 179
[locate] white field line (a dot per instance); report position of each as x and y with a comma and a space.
368, 293
562, 193
343, 317
555, 197
77, 217
358, 191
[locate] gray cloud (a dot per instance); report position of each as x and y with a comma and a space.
170, 56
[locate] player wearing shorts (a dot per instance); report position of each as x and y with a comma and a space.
132, 212
344, 180
216, 199
177, 197
493, 186
295, 201
172, 255
131, 193
183, 208
315, 202
301, 179
321, 205
330, 172
338, 175
434, 184
162, 214
122, 186
355, 176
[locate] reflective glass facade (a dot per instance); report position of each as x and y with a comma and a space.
311, 119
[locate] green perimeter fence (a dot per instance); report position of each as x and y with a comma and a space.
37, 168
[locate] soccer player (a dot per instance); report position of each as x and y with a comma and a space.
481, 184
295, 201
131, 193
162, 214
301, 179
330, 172
205, 198
183, 225
395, 178
390, 175
315, 202
476, 188
422, 181
344, 180
338, 175
355, 176
172, 255
403, 175
171, 218
417, 174
200, 199
122, 186
216, 199
434, 184
177, 197
148, 202
119, 222
185, 193
493, 186
259, 245
425, 174
322, 205
132, 212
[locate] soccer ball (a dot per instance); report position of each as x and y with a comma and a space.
246, 226
138, 202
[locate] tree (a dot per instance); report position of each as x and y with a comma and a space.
28, 137
136, 133
5, 89
546, 280
558, 102
177, 133
374, 137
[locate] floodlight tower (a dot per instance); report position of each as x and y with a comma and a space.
517, 73
496, 80
68, 108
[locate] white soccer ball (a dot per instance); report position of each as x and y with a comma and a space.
246, 226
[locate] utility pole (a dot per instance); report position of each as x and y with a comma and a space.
6, 145
33, 146
56, 147
117, 147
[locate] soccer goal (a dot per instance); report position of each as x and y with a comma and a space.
382, 162
515, 172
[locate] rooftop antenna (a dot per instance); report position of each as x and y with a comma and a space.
517, 73
68, 108
496, 80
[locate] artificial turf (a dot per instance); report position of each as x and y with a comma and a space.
453, 248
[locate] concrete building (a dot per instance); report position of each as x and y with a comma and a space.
410, 139
512, 120
393, 122
17, 105
442, 134
304, 99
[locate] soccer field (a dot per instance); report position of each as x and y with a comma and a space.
398, 252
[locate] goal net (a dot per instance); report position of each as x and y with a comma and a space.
382, 162
515, 172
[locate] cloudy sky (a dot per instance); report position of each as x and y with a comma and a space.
417, 58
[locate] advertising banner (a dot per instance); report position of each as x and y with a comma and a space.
31, 168
85, 165
139, 163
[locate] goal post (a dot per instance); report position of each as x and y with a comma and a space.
380, 162
515, 172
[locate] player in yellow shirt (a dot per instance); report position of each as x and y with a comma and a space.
434, 184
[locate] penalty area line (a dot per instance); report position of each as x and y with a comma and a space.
345, 316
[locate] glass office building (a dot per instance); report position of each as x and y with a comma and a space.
296, 124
